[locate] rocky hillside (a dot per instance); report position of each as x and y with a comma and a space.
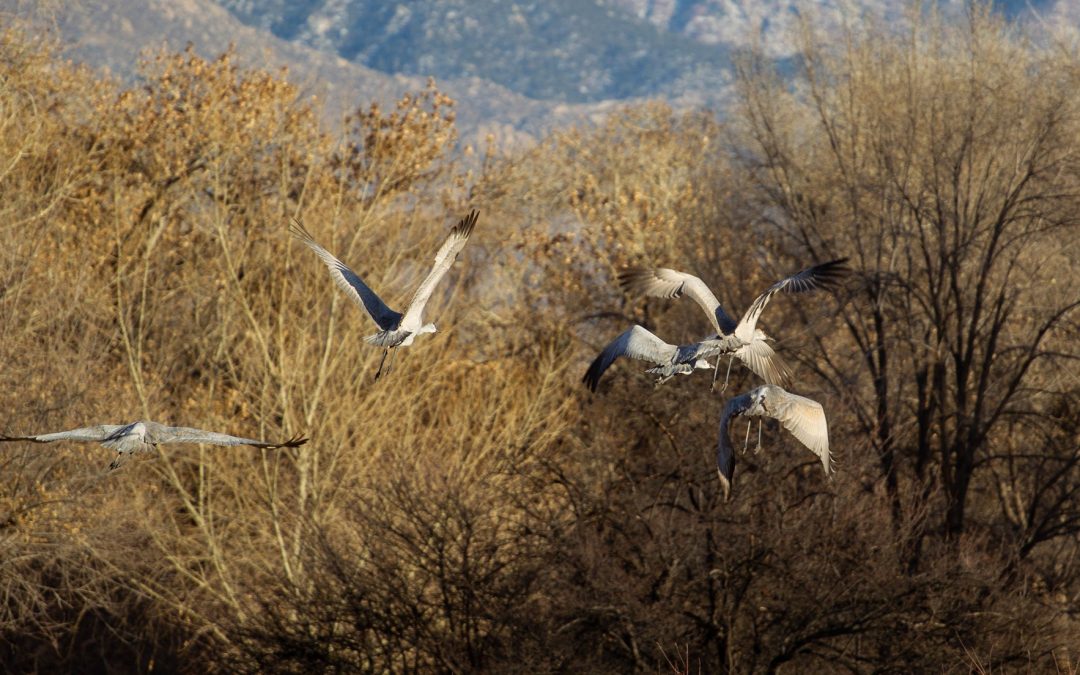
114, 35
516, 69
565, 50
574, 50
742, 23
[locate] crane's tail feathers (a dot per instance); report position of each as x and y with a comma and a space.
387, 338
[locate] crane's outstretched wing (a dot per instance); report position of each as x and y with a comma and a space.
661, 282
725, 453
804, 418
758, 355
349, 282
444, 259
809, 279
158, 434
635, 343
97, 433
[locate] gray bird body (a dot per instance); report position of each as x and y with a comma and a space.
145, 436
396, 329
803, 417
638, 343
754, 349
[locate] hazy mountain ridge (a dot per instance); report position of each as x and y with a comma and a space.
769, 23
566, 50
579, 50
114, 35
515, 69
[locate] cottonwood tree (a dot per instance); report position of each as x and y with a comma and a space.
945, 165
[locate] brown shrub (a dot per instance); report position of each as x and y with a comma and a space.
476, 510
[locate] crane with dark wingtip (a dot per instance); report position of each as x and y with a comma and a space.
145, 436
670, 360
803, 417
754, 349
395, 329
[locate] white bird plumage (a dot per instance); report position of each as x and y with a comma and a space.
144, 436
638, 343
755, 352
396, 329
803, 417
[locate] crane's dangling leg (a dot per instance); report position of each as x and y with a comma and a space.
381, 362
727, 376
758, 448
390, 365
746, 441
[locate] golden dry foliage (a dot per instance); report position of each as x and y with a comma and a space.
594, 201
594, 210
150, 274
476, 510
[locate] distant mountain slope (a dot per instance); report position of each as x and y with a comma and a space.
565, 50
579, 50
113, 34
742, 23
517, 68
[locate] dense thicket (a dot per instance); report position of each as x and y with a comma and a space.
478, 510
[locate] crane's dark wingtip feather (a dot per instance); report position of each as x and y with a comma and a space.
832, 271
725, 485
592, 375
822, 276
294, 442
465, 226
725, 463
725, 467
297, 229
